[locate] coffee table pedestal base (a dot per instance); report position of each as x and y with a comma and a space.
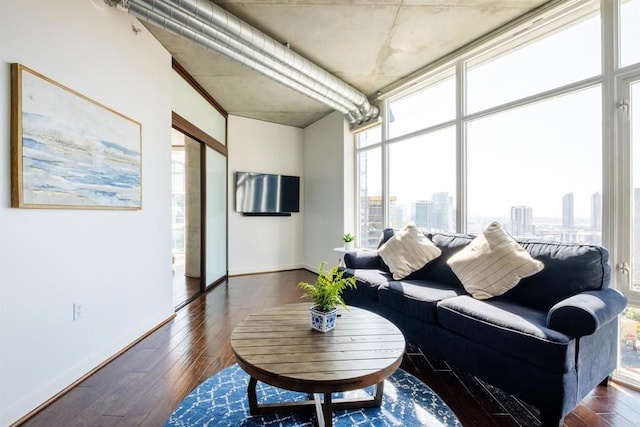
322, 403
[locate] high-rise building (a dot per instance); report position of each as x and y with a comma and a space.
437, 214
444, 215
521, 220
596, 211
396, 216
567, 211
422, 213
371, 222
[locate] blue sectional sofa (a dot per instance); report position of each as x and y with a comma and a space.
549, 341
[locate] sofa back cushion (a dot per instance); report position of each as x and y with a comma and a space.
568, 270
387, 233
438, 270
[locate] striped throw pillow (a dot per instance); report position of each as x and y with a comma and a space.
492, 263
408, 251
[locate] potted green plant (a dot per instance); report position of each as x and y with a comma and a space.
348, 241
326, 294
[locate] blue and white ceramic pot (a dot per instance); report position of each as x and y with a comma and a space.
323, 321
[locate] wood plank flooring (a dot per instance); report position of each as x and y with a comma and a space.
145, 384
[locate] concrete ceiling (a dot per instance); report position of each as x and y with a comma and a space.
367, 43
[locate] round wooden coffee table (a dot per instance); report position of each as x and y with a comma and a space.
277, 346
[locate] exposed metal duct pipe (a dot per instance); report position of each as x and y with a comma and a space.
167, 17
210, 26
216, 16
170, 26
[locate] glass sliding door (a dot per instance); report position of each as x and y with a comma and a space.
215, 216
196, 114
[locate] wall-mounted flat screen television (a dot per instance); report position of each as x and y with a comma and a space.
267, 194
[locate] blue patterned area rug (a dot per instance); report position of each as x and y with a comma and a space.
222, 401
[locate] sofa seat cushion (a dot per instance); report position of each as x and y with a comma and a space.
367, 282
508, 328
415, 298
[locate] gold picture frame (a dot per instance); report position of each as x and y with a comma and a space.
68, 151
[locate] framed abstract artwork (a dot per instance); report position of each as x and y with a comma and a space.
68, 151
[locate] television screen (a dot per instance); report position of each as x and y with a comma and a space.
262, 193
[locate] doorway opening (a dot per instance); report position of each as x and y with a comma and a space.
186, 223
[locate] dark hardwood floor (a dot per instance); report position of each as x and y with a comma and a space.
145, 384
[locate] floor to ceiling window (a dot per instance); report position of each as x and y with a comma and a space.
369, 166
556, 56
628, 115
533, 127
538, 180
629, 13
421, 188
535, 165
429, 106
630, 323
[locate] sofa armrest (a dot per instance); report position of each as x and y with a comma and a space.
584, 313
362, 260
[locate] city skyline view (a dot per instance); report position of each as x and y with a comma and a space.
437, 214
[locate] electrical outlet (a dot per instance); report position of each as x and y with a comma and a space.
77, 311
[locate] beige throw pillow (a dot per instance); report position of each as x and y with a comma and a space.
408, 251
492, 263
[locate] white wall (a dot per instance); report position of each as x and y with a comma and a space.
259, 244
328, 189
117, 264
